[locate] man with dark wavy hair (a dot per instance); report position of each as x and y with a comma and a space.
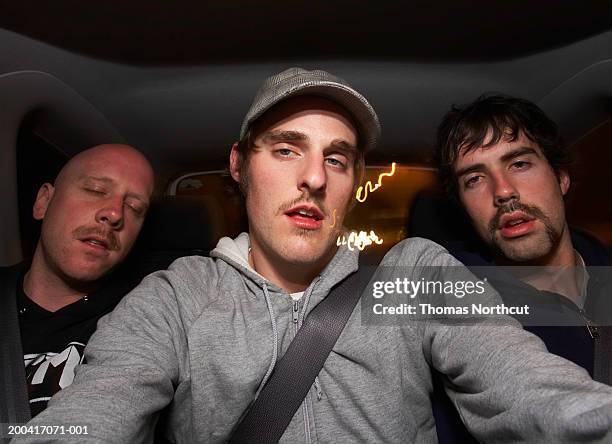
502, 159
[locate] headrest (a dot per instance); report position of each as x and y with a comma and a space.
60, 116
182, 223
436, 217
174, 227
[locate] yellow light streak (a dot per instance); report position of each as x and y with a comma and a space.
334, 218
369, 188
359, 240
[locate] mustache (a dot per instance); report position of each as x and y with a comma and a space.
529, 210
304, 200
109, 236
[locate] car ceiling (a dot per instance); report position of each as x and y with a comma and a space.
176, 81
202, 32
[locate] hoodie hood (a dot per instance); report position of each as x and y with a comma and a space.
236, 252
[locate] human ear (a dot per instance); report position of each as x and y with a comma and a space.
43, 197
235, 163
564, 181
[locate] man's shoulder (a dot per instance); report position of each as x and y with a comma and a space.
188, 278
195, 263
420, 252
183, 287
184, 270
592, 250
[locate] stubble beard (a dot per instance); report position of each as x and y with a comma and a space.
321, 243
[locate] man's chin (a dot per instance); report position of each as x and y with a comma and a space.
87, 272
524, 249
307, 254
305, 258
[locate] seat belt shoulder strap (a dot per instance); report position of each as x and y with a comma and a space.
295, 372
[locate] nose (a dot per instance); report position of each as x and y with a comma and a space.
504, 191
111, 213
313, 176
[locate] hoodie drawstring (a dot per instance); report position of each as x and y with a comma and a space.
274, 338
307, 300
317, 386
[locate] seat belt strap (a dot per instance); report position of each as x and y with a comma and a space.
14, 403
295, 372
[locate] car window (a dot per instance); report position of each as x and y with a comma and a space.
381, 211
589, 204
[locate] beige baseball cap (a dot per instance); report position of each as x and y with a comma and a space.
298, 81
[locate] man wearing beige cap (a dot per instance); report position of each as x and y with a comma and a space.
227, 341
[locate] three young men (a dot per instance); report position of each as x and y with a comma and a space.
204, 336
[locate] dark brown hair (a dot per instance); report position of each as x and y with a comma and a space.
500, 117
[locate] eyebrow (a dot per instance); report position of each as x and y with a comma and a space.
504, 158
296, 136
343, 145
111, 182
284, 136
518, 152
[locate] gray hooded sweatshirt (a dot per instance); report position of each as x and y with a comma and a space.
204, 336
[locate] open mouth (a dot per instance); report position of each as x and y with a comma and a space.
97, 243
516, 224
306, 217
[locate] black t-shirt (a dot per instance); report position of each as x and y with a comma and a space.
53, 342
